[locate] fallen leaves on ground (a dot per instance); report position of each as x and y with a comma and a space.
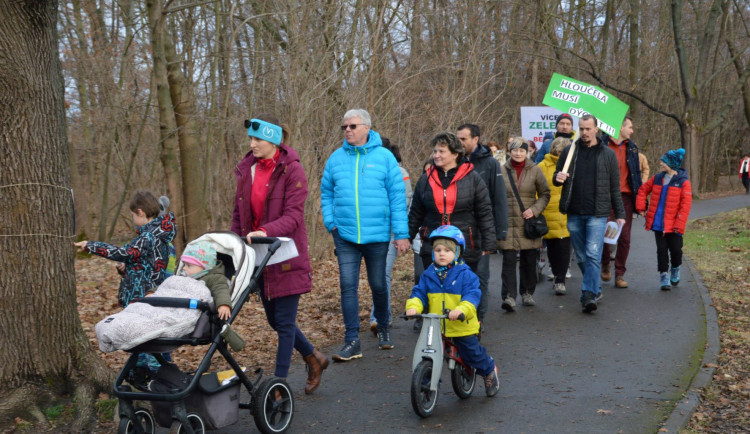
725, 406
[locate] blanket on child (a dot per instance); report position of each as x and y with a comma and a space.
141, 322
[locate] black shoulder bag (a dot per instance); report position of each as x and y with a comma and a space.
535, 227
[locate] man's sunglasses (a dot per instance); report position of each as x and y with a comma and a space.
351, 127
254, 124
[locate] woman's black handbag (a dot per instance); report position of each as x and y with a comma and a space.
535, 227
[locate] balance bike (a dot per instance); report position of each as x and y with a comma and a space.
427, 365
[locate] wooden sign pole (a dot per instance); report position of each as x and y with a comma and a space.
569, 158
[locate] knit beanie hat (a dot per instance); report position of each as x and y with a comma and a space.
673, 158
447, 243
563, 116
202, 254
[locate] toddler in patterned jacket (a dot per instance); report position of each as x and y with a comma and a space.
143, 261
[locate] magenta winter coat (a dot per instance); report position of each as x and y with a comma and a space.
283, 216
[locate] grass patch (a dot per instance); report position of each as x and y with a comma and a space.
720, 248
105, 409
59, 414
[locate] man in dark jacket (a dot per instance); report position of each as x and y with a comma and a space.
492, 174
630, 181
591, 187
564, 128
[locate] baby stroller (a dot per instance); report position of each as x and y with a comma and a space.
200, 401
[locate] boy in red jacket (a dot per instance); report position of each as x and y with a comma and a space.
668, 210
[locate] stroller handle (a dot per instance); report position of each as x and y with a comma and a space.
263, 240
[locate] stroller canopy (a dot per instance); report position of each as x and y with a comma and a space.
242, 255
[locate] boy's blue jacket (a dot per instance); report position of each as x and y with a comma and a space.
460, 290
146, 257
362, 193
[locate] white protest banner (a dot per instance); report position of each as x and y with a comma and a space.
536, 121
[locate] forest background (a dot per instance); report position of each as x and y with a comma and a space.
156, 92
99, 98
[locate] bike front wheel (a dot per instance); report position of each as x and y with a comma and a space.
423, 400
463, 381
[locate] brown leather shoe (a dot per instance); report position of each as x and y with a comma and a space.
316, 363
620, 282
322, 359
606, 274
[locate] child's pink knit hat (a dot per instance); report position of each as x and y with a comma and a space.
202, 254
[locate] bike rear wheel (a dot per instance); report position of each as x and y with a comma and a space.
423, 400
463, 381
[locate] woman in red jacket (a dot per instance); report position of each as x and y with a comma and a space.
270, 201
668, 210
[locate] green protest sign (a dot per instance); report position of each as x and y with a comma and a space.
578, 98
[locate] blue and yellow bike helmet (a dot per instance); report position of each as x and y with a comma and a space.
452, 233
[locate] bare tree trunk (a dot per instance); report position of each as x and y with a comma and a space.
44, 346
108, 100
191, 157
374, 67
743, 72
633, 18
86, 207
170, 146
689, 82
608, 22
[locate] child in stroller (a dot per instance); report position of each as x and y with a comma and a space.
201, 400
199, 262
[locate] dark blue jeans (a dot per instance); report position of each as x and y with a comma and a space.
281, 314
349, 256
587, 238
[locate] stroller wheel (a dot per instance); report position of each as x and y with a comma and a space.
273, 406
196, 423
143, 418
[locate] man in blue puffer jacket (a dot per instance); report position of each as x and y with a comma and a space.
363, 199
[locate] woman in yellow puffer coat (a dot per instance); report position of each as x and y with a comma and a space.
558, 237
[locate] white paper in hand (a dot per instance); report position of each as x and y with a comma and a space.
612, 233
288, 250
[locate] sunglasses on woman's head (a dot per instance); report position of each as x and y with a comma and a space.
254, 124
351, 127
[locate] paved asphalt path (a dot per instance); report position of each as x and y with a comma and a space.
620, 369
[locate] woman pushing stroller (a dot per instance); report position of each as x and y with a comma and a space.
270, 201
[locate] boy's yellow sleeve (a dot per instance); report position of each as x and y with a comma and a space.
414, 303
469, 310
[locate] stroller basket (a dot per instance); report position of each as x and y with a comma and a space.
218, 404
